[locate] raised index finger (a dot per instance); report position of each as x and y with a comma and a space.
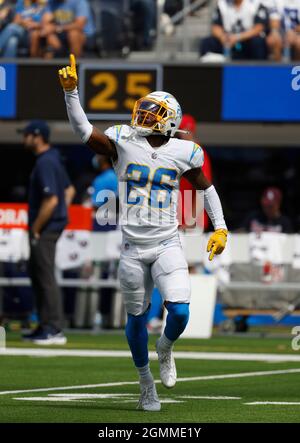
72, 62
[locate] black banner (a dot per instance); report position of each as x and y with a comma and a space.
39, 94
93, 432
198, 89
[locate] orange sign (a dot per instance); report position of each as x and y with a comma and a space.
15, 216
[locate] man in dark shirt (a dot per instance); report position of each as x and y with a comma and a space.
269, 218
50, 192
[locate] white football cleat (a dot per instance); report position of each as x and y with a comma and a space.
167, 367
149, 400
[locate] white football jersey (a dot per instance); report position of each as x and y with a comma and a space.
149, 182
289, 11
273, 8
238, 19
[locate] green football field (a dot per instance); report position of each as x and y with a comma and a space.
224, 379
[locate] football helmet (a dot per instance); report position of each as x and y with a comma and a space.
157, 113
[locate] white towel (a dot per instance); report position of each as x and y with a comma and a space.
267, 247
12, 244
73, 249
296, 254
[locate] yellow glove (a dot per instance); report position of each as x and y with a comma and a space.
217, 242
68, 75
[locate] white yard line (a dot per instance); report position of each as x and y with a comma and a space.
66, 399
274, 403
53, 399
208, 397
236, 356
184, 379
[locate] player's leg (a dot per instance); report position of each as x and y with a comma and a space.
136, 285
297, 48
34, 43
275, 45
170, 273
54, 44
76, 39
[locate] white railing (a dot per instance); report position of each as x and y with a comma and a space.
105, 247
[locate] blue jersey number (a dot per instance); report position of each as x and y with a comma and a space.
160, 194
137, 177
161, 185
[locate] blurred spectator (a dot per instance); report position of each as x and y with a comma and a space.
25, 29
68, 27
188, 123
144, 22
105, 181
274, 30
290, 13
6, 12
269, 217
238, 30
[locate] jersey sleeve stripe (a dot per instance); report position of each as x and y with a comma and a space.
118, 132
195, 148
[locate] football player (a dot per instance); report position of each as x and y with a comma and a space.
149, 163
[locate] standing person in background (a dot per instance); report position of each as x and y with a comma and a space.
188, 123
50, 193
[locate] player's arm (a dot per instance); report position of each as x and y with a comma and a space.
213, 207
89, 135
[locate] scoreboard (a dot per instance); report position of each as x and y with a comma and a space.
109, 91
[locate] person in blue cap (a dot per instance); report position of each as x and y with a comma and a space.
50, 193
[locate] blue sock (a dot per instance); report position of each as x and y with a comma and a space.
137, 337
177, 319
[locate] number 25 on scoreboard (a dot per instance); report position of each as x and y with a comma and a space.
110, 91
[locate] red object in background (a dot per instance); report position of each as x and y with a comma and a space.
185, 185
15, 216
188, 123
80, 218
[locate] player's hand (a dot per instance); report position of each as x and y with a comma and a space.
217, 242
68, 75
